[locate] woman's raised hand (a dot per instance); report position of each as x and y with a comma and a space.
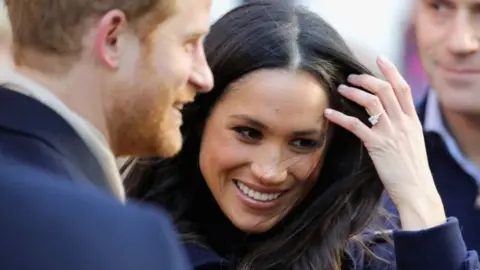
395, 143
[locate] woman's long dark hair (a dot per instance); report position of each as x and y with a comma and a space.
264, 35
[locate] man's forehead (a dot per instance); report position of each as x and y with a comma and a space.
457, 2
469, 4
193, 15
191, 7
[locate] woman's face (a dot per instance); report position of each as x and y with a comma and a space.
263, 145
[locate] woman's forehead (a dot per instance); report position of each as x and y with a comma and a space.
288, 99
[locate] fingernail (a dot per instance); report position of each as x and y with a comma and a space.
383, 60
343, 88
328, 111
352, 77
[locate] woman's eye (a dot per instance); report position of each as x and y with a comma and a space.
248, 133
305, 144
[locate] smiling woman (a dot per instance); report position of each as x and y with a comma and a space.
260, 160
276, 171
255, 163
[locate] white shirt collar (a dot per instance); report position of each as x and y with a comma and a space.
434, 122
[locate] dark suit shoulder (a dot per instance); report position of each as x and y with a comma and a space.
31, 151
63, 225
203, 258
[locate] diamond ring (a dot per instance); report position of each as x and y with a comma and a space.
374, 119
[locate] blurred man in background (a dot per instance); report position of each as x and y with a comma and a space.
448, 40
94, 79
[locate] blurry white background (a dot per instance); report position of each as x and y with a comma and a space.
376, 26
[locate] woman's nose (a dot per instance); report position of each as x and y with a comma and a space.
271, 174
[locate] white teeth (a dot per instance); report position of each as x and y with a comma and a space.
257, 195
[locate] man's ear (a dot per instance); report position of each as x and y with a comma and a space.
107, 45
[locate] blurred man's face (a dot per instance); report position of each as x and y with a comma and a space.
448, 33
154, 78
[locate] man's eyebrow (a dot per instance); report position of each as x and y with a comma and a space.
197, 33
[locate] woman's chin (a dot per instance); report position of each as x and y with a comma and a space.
255, 225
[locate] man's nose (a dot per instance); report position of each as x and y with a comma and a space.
202, 77
462, 38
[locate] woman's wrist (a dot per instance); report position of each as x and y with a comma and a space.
421, 211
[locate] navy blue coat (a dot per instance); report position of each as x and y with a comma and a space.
51, 219
439, 248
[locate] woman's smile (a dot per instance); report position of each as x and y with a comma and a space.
259, 200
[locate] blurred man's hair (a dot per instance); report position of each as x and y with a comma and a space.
56, 27
6, 62
5, 29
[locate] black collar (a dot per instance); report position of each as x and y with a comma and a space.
422, 107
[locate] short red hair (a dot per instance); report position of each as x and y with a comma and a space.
55, 27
